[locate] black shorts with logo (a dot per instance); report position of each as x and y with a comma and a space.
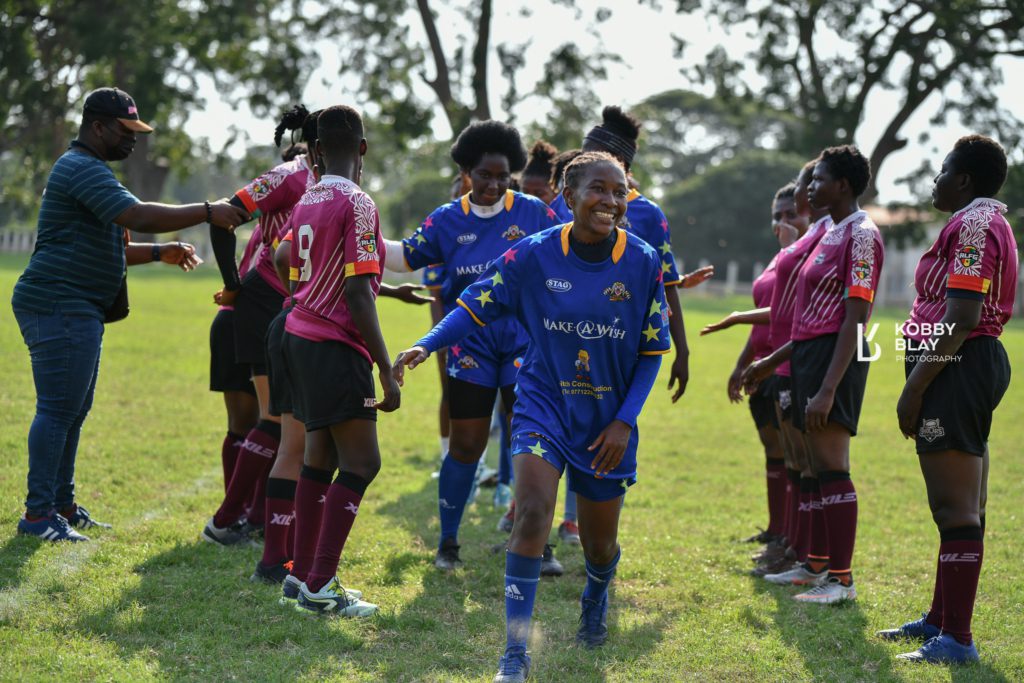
331, 382
256, 304
277, 378
762, 404
784, 396
808, 365
225, 373
957, 407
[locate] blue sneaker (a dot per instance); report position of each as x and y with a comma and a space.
51, 528
912, 630
513, 667
81, 519
593, 629
942, 649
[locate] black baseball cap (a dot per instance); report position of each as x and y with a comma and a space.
116, 104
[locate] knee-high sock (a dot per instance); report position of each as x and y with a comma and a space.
792, 505
960, 555
803, 532
775, 476
934, 616
839, 499
310, 496
340, 512
599, 577
453, 487
229, 455
280, 516
257, 507
522, 574
254, 460
817, 550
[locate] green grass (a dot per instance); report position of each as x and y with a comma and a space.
148, 600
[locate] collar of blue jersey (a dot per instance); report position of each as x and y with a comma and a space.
510, 197
617, 251
633, 194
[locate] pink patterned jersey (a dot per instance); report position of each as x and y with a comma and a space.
271, 198
336, 235
787, 268
846, 263
974, 257
762, 291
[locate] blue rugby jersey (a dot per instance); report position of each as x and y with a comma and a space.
466, 244
79, 259
435, 279
587, 323
646, 220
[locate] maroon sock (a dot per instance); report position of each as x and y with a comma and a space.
839, 499
340, 511
229, 455
775, 475
310, 495
254, 460
960, 555
817, 549
257, 508
803, 533
279, 518
792, 504
934, 616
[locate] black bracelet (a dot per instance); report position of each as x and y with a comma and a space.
209, 213
156, 252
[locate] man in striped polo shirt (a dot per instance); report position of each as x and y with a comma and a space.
71, 286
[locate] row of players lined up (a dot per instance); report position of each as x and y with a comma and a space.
578, 396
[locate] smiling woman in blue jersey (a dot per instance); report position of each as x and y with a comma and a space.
617, 134
465, 236
591, 299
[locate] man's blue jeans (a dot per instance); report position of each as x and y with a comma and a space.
65, 351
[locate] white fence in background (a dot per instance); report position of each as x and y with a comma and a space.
17, 241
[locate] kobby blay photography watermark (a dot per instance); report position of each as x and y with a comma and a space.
905, 343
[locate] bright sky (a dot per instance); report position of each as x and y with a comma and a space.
642, 37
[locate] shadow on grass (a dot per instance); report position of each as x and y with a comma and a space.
14, 555
459, 616
832, 636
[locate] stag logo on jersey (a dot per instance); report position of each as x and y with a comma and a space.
931, 429
558, 285
466, 238
513, 233
617, 292
467, 362
968, 256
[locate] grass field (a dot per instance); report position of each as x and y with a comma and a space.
148, 600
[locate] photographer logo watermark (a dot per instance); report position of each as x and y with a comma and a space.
870, 339
914, 342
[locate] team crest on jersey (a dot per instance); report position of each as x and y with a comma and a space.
819, 259
582, 365
368, 243
861, 270
617, 292
467, 362
513, 233
931, 429
968, 256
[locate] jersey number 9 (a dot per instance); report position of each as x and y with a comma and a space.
304, 242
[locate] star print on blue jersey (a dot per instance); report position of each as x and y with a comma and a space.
583, 350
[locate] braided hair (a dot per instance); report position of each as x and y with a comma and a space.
291, 120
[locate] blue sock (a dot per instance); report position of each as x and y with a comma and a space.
570, 504
505, 455
453, 487
522, 574
599, 576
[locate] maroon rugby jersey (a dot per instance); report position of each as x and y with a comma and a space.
764, 284
975, 256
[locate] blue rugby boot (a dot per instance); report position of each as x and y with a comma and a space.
912, 630
942, 649
513, 667
593, 629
